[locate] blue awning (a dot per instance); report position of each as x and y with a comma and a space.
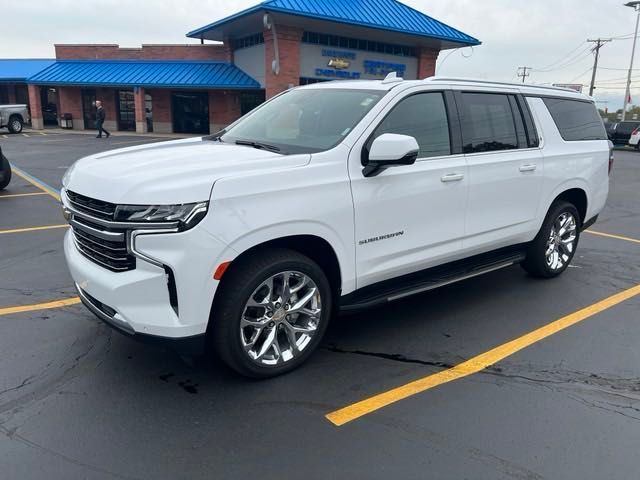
19, 69
388, 15
145, 73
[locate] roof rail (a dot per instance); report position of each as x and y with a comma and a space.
489, 82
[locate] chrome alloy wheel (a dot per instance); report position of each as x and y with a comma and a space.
16, 126
280, 318
562, 241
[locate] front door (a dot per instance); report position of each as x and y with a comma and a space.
126, 110
410, 217
89, 108
190, 112
505, 174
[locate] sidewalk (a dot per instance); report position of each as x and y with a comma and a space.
60, 131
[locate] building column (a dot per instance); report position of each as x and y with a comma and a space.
289, 40
224, 109
35, 107
141, 114
427, 59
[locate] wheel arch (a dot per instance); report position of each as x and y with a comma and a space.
578, 198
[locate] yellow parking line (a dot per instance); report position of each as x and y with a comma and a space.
40, 306
33, 229
617, 237
32, 194
475, 364
45, 188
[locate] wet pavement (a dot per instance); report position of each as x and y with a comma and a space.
78, 400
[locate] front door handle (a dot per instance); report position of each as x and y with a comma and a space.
452, 177
528, 168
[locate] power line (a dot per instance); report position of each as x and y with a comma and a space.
562, 59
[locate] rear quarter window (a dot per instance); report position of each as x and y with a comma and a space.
576, 120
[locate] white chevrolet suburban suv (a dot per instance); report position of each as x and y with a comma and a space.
333, 196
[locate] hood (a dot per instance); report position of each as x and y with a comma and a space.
175, 172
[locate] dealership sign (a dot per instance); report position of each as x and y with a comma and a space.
340, 63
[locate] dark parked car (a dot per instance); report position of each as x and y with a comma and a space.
619, 133
5, 171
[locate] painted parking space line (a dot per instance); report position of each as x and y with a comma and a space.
609, 235
25, 135
33, 229
15, 195
39, 306
476, 364
36, 182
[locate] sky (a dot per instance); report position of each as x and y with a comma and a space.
550, 36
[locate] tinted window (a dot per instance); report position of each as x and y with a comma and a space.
423, 117
576, 120
487, 123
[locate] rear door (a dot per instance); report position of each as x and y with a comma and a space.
505, 168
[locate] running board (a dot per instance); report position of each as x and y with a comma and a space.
420, 282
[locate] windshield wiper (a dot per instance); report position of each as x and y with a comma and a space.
258, 145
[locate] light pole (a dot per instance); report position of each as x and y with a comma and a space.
636, 6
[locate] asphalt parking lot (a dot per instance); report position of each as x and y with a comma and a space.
563, 402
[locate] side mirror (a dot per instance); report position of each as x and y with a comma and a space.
390, 150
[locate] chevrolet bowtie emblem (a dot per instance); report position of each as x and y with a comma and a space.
339, 63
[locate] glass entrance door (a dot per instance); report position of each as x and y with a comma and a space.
126, 110
89, 108
190, 112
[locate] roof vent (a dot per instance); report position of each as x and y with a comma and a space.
393, 78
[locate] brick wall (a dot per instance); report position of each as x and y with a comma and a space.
427, 62
146, 52
161, 109
70, 101
224, 109
289, 39
35, 107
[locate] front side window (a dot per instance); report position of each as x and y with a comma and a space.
487, 123
422, 116
305, 120
576, 120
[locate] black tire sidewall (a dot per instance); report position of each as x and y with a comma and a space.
536, 262
234, 295
5, 168
11, 122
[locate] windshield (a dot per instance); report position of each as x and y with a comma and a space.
303, 121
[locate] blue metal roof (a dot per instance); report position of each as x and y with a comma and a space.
389, 15
144, 73
19, 69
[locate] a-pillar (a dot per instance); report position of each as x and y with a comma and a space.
141, 114
427, 62
289, 40
35, 107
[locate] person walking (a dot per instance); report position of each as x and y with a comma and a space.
100, 116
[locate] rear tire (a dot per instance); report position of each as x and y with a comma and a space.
271, 312
551, 252
5, 172
15, 124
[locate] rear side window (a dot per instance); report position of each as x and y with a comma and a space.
487, 123
422, 116
576, 120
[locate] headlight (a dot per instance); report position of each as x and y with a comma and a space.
187, 215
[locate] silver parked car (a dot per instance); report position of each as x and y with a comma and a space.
13, 117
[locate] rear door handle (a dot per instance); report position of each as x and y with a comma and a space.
452, 177
528, 168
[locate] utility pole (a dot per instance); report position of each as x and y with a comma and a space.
599, 44
524, 72
627, 94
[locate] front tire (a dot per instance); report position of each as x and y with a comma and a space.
15, 124
551, 252
271, 313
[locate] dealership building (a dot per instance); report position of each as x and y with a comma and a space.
258, 53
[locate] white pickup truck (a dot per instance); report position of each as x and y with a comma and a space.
13, 117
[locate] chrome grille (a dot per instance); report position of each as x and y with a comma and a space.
96, 239
91, 206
